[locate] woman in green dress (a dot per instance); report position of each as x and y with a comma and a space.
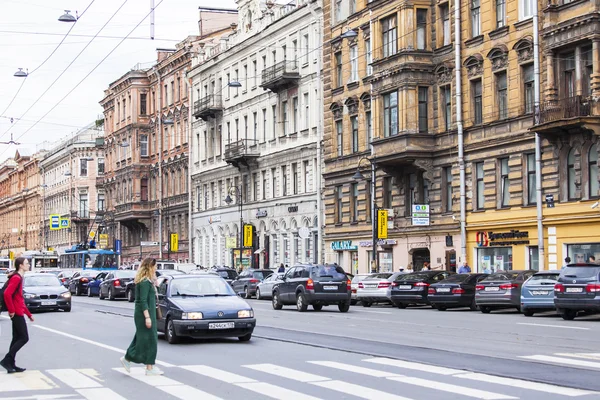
144, 346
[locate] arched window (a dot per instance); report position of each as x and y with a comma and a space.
593, 171
572, 188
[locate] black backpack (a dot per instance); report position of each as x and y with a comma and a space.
2, 305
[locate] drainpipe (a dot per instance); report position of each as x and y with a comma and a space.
160, 155
459, 127
318, 182
538, 144
189, 177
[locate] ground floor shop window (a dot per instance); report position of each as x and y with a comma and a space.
580, 253
534, 259
492, 259
354, 261
386, 263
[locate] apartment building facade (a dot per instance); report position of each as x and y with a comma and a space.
20, 203
69, 173
147, 118
256, 139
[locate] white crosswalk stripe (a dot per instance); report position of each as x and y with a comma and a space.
28, 380
563, 360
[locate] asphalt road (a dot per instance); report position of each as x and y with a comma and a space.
367, 353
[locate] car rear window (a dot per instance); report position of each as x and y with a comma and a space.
415, 276
125, 274
502, 276
378, 276
358, 278
457, 278
227, 274
580, 272
260, 274
544, 277
329, 270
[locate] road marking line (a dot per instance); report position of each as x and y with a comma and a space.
92, 342
414, 366
372, 312
589, 356
74, 378
446, 387
566, 361
168, 385
100, 394
218, 374
522, 384
553, 326
353, 368
263, 388
28, 380
284, 372
358, 391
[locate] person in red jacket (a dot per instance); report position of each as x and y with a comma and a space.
13, 298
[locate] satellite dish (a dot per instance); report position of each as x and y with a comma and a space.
304, 232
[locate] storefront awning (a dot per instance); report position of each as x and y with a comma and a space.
259, 251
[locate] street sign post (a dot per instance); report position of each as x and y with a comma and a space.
54, 222
65, 223
174, 242
382, 224
148, 243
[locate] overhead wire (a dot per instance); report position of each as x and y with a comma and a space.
89, 73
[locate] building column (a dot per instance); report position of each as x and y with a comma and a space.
551, 93
595, 79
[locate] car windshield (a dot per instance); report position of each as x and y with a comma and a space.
415, 276
544, 277
333, 271
227, 274
201, 286
88, 273
378, 276
125, 274
457, 278
580, 272
39, 280
170, 272
261, 274
501, 276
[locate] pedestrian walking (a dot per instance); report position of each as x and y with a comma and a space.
144, 346
409, 268
281, 268
464, 269
17, 310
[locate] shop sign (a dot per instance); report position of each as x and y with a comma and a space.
292, 209
550, 200
382, 242
486, 239
230, 242
214, 218
420, 214
261, 214
343, 245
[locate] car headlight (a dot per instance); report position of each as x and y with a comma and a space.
246, 314
29, 296
192, 315
66, 295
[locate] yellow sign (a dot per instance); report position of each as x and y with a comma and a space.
230, 243
382, 224
174, 242
92, 234
248, 235
11, 255
103, 243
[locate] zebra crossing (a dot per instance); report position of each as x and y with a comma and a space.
374, 378
581, 360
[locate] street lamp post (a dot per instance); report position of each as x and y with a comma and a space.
229, 200
358, 176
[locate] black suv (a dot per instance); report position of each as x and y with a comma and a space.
229, 274
577, 289
315, 285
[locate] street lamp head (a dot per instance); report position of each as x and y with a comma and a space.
66, 17
349, 34
234, 84
167, 122
21, 74
124, 143
228, 200
67, 173
358, 176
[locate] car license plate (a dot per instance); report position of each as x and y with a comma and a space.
222, 325
330, 287
574, 290
48, 303
539, 292
371, 286
492, 289
443, 290
405, 287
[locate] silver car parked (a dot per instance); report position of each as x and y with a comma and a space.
264, 290
373, 289
354, 286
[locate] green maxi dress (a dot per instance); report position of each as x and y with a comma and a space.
144, 346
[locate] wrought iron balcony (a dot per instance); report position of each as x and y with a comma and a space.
280, 76
241, 152
133, 210
208, 106
562, 115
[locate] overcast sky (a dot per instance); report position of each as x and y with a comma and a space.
29, 33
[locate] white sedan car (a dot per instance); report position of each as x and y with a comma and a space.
264, 290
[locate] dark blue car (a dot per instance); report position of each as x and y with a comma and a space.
202, 306
93, 287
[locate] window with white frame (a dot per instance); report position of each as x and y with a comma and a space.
296, 112
475, 18
306, 111
368, 56
525, 9
445, 13
389, 35
144, 145
353, 63
390, 114
421, 28
339, 128
500, 13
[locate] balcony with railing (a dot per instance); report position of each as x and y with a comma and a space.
563, 115
133, 210
241, 152
208, 106
280, 76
